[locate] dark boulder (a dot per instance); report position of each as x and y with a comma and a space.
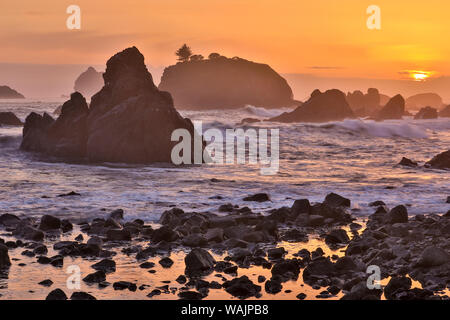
273, 286
259, 197
164, 234
4, 257
395, 286
441, 161
9, 220
242, 288
82, 296
426, 113
106, 265
394, 109
318, 268
166, 262
49, 222
198, 261
95, 277
337, 237
335, 200
56, 294
433, 257
321, 107
122, 285
9, 119
398, 214
408, 162
118, 235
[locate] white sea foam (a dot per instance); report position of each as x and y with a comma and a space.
384, 129
263, 112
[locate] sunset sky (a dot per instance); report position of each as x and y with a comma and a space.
325, 37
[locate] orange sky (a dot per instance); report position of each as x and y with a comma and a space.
323, 37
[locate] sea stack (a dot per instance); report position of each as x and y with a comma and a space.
393, 110
89, 82
129, 120
364, 104
426, 113
220, 82
8, 93
331, 105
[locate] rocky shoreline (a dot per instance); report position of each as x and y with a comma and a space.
307, 251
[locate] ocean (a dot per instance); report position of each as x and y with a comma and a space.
354, 158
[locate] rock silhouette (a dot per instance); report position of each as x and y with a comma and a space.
89, 82
220, 82
426, 113
441, 161
422, 100
364, 104
445, 113
9, 119
129, 120
331, 105
394, 109
8, 93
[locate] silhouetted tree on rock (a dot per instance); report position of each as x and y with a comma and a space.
184, 53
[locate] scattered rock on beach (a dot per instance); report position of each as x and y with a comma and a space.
433, 256
49, 222
82, 296
242, 288
56, 294
122, 285
4, 257
166, 262
106, 265
259, 197
95, 277
199, 261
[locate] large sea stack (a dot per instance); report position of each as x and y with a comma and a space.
220, 82
331, 105
129, 120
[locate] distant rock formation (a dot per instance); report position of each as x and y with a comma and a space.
394, 109
9, 119
441, 161
445, 113
422, 100
220, 82
89, 82
426, 113
129, 119
364, 104
8, 93
331, 105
